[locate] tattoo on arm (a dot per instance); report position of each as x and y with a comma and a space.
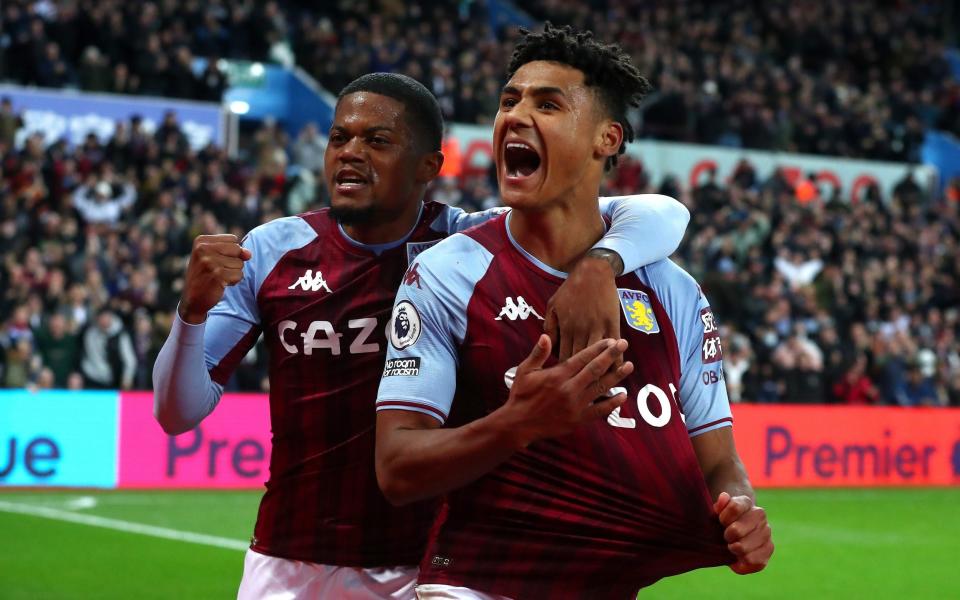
616, 263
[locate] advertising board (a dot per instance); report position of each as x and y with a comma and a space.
58, 438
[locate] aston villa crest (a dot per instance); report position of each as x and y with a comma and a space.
638, 310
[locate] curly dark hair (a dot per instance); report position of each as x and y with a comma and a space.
606, 68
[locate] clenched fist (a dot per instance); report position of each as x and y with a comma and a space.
747, 532
216, 262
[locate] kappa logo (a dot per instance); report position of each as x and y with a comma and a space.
412, 276
309, 282
517, 310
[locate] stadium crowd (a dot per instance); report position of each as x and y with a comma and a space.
819, 301
837, 78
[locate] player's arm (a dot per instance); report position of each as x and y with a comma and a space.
644, 228
184, 390
703, 398
746, 529
415, 457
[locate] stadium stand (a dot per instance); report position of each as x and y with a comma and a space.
812, 77
821, 300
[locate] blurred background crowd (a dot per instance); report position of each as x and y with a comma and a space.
820, 300
838, 78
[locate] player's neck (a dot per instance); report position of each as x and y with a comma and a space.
559, 234
392, 230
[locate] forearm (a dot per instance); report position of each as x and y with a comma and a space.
730, 476
183, 392
643, 229
414, 464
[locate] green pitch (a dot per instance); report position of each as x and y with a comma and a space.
830, 544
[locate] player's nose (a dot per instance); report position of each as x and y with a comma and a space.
352, 151
519, 116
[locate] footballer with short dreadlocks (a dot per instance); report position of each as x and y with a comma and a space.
622, 474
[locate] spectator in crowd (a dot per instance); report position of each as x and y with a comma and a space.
736, 363
10, 122
108, 359
855, 388
17, 344
798, 270
58, 349
918, 389
308, 149
97, 203
146, 346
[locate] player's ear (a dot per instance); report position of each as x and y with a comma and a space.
429, 166
609, 139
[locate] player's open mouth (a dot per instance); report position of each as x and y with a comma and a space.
520, 160
347, 180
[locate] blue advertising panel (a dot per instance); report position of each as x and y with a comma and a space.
58, 438
59, 114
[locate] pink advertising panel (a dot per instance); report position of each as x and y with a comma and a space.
230, 449
781, 446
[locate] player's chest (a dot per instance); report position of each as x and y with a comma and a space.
503, 328
311, 307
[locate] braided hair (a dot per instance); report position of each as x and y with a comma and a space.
606, 68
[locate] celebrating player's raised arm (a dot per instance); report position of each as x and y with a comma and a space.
218, 320
183, 391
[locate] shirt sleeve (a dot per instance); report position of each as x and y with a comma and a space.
703, 393
428, 325
183, 393
644, 228
420, 371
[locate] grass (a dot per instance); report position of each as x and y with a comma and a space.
894, 543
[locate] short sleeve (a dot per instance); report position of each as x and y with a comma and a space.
428, 324
703, 394
420, 371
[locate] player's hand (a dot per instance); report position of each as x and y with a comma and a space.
216, 262
585, 309
747, 532
553, 402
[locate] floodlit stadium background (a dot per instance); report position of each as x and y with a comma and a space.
815, 143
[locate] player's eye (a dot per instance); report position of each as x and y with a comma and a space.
508, 102
337, 138
547, 105
379, 141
